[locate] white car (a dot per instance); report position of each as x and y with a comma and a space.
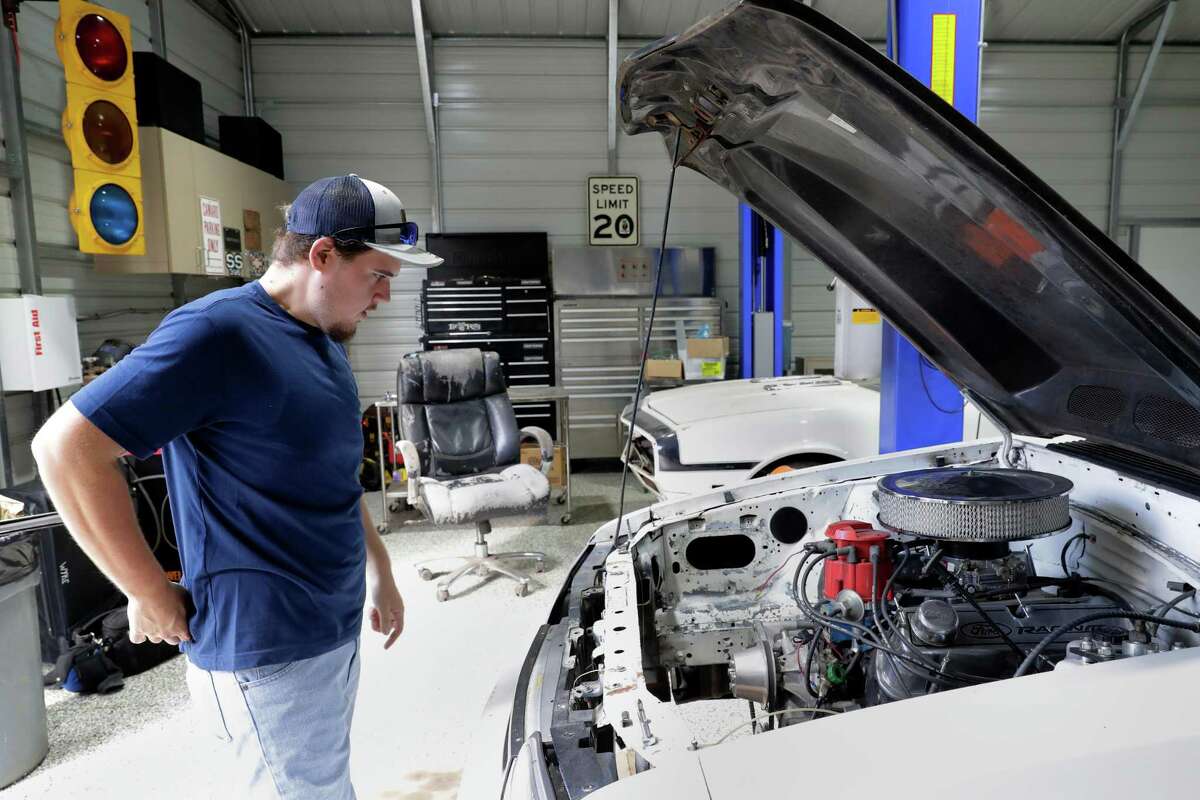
991, 619
696, 438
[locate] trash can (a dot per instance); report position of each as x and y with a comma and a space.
23, 736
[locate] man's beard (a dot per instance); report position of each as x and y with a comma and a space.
343, 332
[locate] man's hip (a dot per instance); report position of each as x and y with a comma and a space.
286, 726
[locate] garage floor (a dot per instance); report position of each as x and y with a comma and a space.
417, 702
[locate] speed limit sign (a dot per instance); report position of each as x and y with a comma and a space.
613, 211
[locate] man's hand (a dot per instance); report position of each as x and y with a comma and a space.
160, 615
386, 609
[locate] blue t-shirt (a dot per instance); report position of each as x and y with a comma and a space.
257, 414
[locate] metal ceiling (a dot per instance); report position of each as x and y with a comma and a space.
1075, 21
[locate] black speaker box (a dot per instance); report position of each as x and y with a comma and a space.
167, 97
252, 141
73, 591
506, 256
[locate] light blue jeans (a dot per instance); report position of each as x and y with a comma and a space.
286, 726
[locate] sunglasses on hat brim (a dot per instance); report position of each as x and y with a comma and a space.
395, 233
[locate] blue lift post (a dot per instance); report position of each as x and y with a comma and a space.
938, 43
761, 255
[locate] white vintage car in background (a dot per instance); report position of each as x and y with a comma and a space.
696, 438
991, 619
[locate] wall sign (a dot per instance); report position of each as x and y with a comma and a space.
613, 211
233, 251
213, 237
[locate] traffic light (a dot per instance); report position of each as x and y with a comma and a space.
99, 125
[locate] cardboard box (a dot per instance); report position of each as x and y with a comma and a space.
704, 369
711, 348
664, 368
531, 455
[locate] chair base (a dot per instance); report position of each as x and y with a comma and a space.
484, 563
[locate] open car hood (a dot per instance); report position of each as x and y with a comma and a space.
1027, 306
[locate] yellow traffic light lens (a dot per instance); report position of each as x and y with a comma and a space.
107, 132
101, 47
114, 214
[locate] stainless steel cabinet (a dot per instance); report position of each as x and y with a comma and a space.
598, 349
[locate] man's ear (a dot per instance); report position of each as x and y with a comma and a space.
320, 255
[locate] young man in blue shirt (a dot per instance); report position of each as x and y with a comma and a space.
250, 395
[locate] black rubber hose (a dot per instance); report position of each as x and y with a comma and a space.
1135, 616
952, 582
1165, 607
808, 661
1083, 584
1062, 556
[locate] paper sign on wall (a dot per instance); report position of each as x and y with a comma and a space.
613, 211
213, 237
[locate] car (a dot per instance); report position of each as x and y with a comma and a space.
984, 619
695, 438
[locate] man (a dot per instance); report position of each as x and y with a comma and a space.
251, 397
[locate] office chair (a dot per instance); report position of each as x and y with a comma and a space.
462, 448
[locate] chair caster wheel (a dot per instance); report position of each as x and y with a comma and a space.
539, 566
443, 595
381, 529
561, 499
522, 589
565, 519
425, 574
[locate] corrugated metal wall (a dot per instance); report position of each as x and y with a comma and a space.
354, 105
128, 307
522, 125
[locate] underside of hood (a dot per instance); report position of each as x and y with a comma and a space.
1027, 306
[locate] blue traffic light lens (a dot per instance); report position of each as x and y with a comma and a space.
114, 214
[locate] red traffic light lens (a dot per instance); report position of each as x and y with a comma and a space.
101, 47
107, 132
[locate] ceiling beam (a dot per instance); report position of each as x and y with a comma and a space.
612, 85
429, 99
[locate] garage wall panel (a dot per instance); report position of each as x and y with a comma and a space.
350, 105
124, 307
209, 52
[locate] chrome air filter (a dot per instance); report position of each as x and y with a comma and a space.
974, 504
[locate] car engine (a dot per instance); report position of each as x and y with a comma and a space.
936, 595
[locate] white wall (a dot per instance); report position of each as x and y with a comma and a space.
132, 305
354, 105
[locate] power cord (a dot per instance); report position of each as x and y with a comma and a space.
810, 710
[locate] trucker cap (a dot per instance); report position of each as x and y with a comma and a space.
351, 208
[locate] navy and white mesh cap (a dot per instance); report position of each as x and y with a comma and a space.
350, 207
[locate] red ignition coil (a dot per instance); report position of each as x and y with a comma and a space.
852, 570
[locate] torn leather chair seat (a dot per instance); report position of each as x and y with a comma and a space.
461, 447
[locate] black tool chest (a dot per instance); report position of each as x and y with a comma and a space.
494, 293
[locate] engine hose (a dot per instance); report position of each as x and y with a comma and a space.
1169, 606
864, 633
952, 582
808, 661
1135, 616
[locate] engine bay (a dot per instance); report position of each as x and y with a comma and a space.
860, 590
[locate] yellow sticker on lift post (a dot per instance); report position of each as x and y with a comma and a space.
941, 76
864, 316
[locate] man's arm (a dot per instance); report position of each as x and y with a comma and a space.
79, 467
386, 608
